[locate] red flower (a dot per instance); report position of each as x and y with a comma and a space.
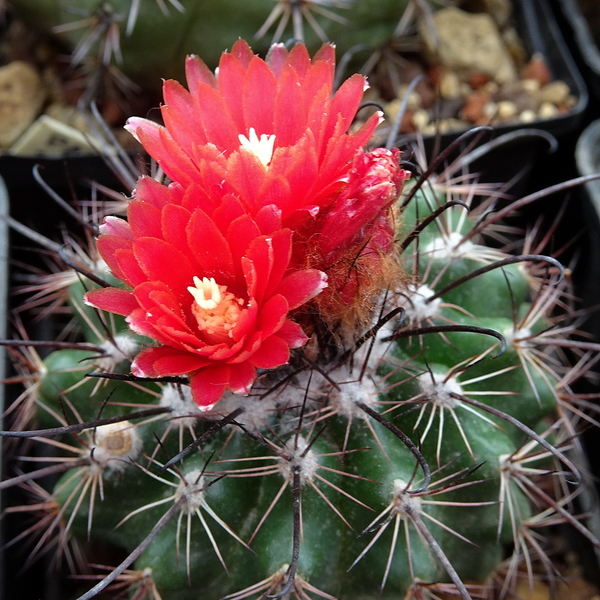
270, 133
212, 288
269, 191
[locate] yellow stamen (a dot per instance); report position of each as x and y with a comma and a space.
216, 310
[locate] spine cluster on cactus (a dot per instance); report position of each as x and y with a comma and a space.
400, 459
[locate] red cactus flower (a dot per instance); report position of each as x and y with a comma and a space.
269, 190
270, 133
211, 288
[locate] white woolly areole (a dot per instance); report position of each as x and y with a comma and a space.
518, 337
403, 502
115, 445
192, 490
438, 391
178, 399
349, 394
308, 463
257, 411
121, 347
448, 246
507, 462
414, 300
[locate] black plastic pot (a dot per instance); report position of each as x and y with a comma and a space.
587, 38
539, 30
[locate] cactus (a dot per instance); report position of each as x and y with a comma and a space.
149, 39
300, 372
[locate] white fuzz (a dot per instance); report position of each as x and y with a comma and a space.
404, 503
115, 445
448, 246
346, 398
122, 347
518, 337
178, 399
308, 463
414, 300
257, 411
438, 391
192, 489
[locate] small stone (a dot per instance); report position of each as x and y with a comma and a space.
527, 116
449, 85
547, 110
478, 80
392, 108
537, 70
555, 92
421, 119
467, 43
22, 95
490, 88
506, 110
531, 86
474, 106
490, 110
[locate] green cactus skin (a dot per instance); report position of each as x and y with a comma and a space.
159, 42
324, 450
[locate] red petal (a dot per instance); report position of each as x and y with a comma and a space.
160, 261
301, 286
181, 116
110, 247
174, 161
299, 60
114, 300
117, 227
241, 378
293, 334
144, 219
150, 191
197, 72
165, 361
174, 220
326, 54
347, 99
242, 51
209, 248
219, 126
248, 175
259, 97
231, 86
208, 385
268, 218
290, 112
272, 315
129, 268
240, 234
273, 352
276, 58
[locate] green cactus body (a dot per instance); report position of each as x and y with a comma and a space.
159, 42
354, 485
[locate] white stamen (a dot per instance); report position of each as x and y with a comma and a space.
206, 292
262, 148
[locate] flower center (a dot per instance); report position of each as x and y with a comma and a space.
216, 310
262, 148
